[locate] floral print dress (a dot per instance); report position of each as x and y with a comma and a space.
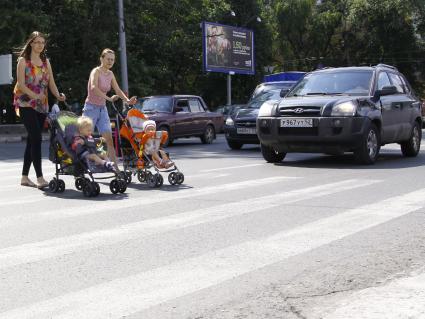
37, 80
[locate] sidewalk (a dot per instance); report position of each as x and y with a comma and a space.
14, 133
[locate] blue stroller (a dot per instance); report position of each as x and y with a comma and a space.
63, 128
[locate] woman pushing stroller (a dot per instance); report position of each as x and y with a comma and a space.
101, 80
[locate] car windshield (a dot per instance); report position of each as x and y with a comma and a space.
157, 104
274, 86
330, 83
257, 101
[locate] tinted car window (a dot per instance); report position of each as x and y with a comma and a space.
265, 96
158, 104
184, 105
267, 87
327, 83
395, 79
195, 105
383, 80
405, 85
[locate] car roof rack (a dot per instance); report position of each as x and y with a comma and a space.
386, 66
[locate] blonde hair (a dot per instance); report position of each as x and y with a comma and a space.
84, 121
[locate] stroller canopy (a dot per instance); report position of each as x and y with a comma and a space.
136, 120
67, 123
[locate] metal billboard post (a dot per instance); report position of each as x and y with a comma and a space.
122, 47
229, 87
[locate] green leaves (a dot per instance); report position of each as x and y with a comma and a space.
164, 47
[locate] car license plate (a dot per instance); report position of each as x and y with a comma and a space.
246, 130
296, 122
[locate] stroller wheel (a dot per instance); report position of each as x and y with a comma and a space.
114, 186
61, 186
151, 179
96, 189
122, 186
180, 178
79, 183
172, 178
88, 189
141, 176
128, 177
159, 180
53, 185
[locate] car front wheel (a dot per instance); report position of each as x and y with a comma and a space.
411, 147
368, 151
270, 155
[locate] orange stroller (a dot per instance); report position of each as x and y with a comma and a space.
136, 160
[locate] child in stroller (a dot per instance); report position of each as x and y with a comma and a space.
151, 142
142, 155
85, 145
64, 129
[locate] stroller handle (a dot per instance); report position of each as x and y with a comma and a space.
118, 112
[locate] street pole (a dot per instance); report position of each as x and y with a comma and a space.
229, 88
122, 47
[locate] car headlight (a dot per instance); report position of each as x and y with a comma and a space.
344, 109
229, 121
266, 108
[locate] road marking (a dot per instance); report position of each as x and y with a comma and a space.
12, 256
129, 295
401, 298
230, 167
96, 207
24, 200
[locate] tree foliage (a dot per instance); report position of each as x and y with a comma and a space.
164, 46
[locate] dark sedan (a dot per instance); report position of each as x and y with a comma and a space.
240, 126
183, 116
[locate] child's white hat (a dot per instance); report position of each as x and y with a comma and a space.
149, 123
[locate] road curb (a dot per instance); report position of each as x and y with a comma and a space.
18, 138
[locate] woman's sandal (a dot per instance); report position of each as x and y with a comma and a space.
28, 183
42, 185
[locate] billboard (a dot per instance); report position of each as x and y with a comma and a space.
228, 49
6, 69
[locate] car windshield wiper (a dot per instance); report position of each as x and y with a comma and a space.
317, 93
326, 93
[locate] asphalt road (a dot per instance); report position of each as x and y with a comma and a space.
316, 236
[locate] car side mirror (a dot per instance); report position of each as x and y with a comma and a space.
283, 92
178, 109
386, 90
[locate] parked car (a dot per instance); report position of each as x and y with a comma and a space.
183, 116
240, 126
337, 110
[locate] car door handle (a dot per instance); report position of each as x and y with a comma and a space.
397, 105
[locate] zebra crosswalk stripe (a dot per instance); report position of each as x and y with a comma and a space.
31, 252
96, 207
128, 295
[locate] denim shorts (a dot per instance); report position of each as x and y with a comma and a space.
99, 116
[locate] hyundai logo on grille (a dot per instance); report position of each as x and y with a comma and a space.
299, 110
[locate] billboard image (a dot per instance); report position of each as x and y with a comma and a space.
228, 49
